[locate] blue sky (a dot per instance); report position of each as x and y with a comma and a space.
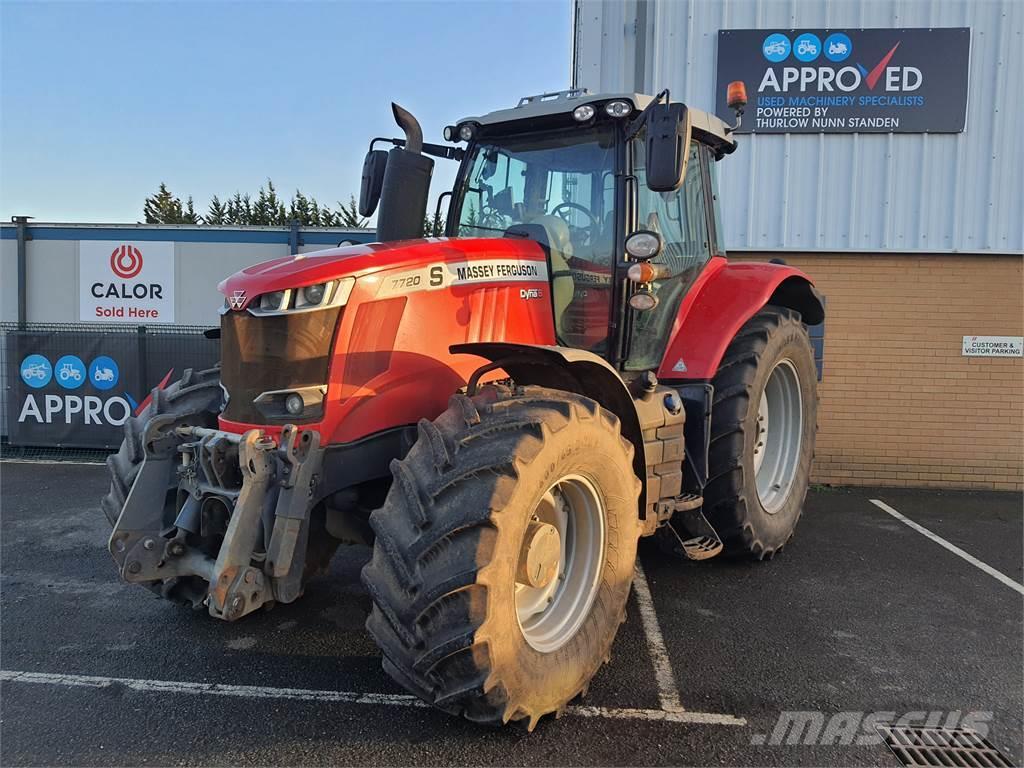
101, 101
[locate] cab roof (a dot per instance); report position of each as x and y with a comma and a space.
707, 128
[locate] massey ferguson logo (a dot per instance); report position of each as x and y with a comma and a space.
126, 261
237, 299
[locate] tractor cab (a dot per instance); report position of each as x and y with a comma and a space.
604, 183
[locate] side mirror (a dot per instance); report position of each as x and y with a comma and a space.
373, 181
668, 146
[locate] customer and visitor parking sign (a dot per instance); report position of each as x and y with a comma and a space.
993, 346
847, 80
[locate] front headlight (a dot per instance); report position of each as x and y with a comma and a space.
312, 295
583, 112
643, 244
307, 298
271, 302
618, 108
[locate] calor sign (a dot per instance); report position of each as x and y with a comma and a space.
126, 282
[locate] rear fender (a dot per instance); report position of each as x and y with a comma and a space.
572, 370
725, 296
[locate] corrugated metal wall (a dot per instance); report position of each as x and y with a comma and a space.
203, 256
899, 192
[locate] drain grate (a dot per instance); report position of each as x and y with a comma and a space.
952, 747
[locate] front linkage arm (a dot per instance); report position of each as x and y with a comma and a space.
260, 484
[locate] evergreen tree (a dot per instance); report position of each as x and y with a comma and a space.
329, 218
245, 214
190, 216
348, 215
267, 209
233, 212
162, 208
472, 219
263, 206
298, 210
433, 226
217, 212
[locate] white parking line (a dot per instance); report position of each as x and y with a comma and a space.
997, 575
668, 693
6, 460
344, 697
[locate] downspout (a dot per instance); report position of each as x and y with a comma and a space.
23, 237
640, 48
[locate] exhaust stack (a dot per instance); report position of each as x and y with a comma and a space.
403, 198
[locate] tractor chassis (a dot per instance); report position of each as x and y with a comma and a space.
237, 486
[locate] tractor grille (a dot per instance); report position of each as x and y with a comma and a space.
915, 746
275, 352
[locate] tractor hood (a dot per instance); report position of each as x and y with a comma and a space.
241, 288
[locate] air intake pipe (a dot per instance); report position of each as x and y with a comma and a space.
403, 198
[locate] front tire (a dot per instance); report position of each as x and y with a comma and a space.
195, 399
464, 609
763, 425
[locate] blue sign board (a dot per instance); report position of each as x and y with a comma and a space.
847, 80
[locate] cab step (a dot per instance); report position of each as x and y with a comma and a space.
688, 502
702, 547
701, 542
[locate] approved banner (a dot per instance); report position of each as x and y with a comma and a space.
847, 80
77, 388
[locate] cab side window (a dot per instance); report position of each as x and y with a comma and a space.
680, 218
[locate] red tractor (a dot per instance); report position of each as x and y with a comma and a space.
501, 413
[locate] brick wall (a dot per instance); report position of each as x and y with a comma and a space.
899, 404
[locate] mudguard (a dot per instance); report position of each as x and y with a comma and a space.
574, 370
721, 300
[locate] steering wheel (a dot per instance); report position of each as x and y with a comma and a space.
580, 235
556, 211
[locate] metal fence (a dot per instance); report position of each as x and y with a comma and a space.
70, 385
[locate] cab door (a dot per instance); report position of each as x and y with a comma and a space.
682, 220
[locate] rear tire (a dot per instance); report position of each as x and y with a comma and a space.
759, 467
448, 615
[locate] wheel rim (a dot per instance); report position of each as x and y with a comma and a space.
779, 436
551, 614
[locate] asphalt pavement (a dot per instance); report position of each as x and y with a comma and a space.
860, 614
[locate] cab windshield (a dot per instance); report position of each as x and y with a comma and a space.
557, 188
517, 180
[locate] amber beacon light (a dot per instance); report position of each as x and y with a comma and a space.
736, 99
736, 95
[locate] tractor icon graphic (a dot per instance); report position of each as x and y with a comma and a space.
837, 48
806, 48
775, 48
35, 371
103, 374
68, 371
